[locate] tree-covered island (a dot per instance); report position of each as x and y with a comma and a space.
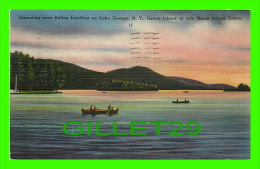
241, 87
125, 85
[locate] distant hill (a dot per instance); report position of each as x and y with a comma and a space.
201, 84
49, 74
146, 75
221, 86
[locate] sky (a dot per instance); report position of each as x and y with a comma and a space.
212, 46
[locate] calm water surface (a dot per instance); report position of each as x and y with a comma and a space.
37, 121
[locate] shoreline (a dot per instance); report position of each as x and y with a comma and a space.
38, 92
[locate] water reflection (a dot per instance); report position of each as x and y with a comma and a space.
37, 121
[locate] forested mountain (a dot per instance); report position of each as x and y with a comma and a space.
77, 77
35, 74
146, 75
48, 74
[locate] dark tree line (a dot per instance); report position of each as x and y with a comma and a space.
243, 87
35, 74
125, 85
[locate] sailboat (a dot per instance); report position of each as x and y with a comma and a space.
15, 90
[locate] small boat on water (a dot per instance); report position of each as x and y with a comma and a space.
185, 91
177, 101
99, 111
94, 111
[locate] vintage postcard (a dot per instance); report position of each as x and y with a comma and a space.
130, 84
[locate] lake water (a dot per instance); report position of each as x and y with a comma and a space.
37, 121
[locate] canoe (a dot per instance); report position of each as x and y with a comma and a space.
187, 101
99, 111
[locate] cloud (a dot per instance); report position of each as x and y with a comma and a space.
36, 40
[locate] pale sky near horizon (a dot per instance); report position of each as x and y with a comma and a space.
211, 51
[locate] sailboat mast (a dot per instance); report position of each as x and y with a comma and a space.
16, 82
